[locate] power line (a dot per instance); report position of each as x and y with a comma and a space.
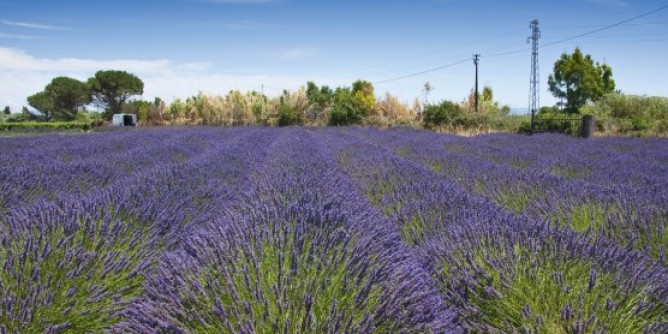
629, 35
602, 25
460, 46
423, 72
508, 52
649, 40
607, 27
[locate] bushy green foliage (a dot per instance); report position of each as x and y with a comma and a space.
321, 97
50, 126
578, 80
113, 89
363, 93
61, 99
445, 113
509, 123
288, 116
347, 109
44, 104
462, 117
630, 113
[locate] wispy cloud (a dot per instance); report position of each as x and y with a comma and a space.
616, 3
297, 53
17, 60
252, 25
14, 36
32, 25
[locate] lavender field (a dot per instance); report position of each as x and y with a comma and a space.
332, 230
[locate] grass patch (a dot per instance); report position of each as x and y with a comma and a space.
514, 199
413, 231
587, 217
403, 151
74, 276
518, 290
571, 172
435, 166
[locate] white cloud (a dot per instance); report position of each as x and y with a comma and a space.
14, 36
32, 25
16, 60
297, 53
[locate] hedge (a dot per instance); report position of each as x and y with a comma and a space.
84, 126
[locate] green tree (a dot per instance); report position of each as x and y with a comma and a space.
363, 92
287, 116
69, 96
577, 79
319, 97
347, 110
61, 99
112, 89
43, 103
7, 110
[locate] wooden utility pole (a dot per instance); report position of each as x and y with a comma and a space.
476, 57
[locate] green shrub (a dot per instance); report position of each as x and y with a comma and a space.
443, 114
44, 126
630, 114
288, 116
346, 114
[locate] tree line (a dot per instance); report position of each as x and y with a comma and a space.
581, 85
309, 105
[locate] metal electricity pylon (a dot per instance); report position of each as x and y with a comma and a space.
534, 94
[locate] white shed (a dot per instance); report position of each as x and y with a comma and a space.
124, 120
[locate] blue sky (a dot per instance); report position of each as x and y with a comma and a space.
180, 47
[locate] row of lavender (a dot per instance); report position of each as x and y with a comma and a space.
315, 231
75, 262
507, 272
621, 196
302, 252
